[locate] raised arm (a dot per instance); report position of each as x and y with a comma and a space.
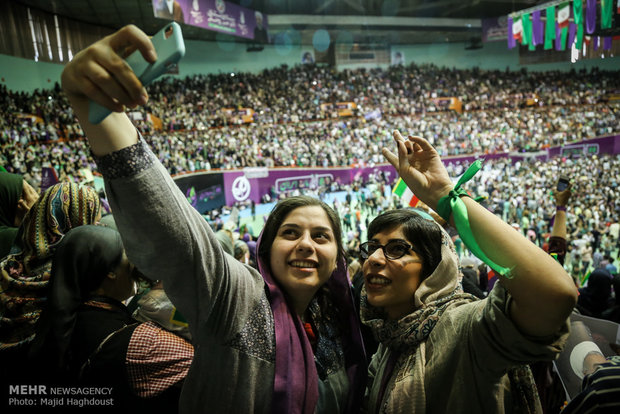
561, 202
164, 235
99, 73
543, 294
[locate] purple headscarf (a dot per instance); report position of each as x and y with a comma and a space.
295, 387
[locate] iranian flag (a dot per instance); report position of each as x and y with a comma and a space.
517, 29
563, 15
405, 193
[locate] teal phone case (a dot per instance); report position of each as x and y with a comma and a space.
170, 48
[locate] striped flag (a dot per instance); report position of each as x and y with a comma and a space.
563, 15
517, 29
401, 190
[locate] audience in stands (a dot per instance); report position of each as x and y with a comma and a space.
502, 111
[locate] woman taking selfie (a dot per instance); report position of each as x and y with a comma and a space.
282, 340
442, 350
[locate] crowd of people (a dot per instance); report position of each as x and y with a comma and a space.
502, 111
274, 322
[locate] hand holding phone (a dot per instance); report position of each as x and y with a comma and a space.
170, 48
563, 183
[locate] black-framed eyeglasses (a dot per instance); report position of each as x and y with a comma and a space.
394, 249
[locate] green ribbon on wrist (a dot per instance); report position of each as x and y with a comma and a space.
452, 204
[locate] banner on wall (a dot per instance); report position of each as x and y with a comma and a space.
239, 116
398, 57
217, 15
307, 57
340, 108
494, 29
209, 190
444, 104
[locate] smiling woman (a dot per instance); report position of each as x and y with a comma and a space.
302, 261
304, 254
253, 352
433, 336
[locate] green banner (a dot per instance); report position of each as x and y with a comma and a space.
550, 28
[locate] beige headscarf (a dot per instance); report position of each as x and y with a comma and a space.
439, 291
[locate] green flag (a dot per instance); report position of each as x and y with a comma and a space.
563, 37
578, 16
606, 12
527, 31
578, 11
527, 36
550, 28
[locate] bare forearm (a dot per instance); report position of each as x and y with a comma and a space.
559, 225
114, 133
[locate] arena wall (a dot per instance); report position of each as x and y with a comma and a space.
225, 57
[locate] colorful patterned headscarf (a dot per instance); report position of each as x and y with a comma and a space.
25, 275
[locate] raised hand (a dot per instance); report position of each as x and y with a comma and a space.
420, 166
100, 73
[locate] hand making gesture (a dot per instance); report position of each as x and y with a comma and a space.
420, 166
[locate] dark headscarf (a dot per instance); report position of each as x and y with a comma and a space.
82, 260
296, 377
24, 274
595, 297
11, 188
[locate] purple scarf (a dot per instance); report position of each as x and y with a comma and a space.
295, 388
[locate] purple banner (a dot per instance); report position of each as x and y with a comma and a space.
253, 183
494, 29
512, 42
537, 28
240, 185
590, 16
572, 31
594, 146
217, 15
607, 43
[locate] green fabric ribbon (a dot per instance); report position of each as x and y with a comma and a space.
452, 204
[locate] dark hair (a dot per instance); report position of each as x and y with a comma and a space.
422, 233
282, 210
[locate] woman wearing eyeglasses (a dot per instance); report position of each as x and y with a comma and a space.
442, 350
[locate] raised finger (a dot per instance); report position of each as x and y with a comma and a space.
424, 144
390, 157
130, 38
397, 135
403, 151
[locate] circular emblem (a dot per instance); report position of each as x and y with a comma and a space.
220, 6
241, 188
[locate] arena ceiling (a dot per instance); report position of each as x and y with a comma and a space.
364, 21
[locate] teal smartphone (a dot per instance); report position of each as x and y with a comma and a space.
170, 48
